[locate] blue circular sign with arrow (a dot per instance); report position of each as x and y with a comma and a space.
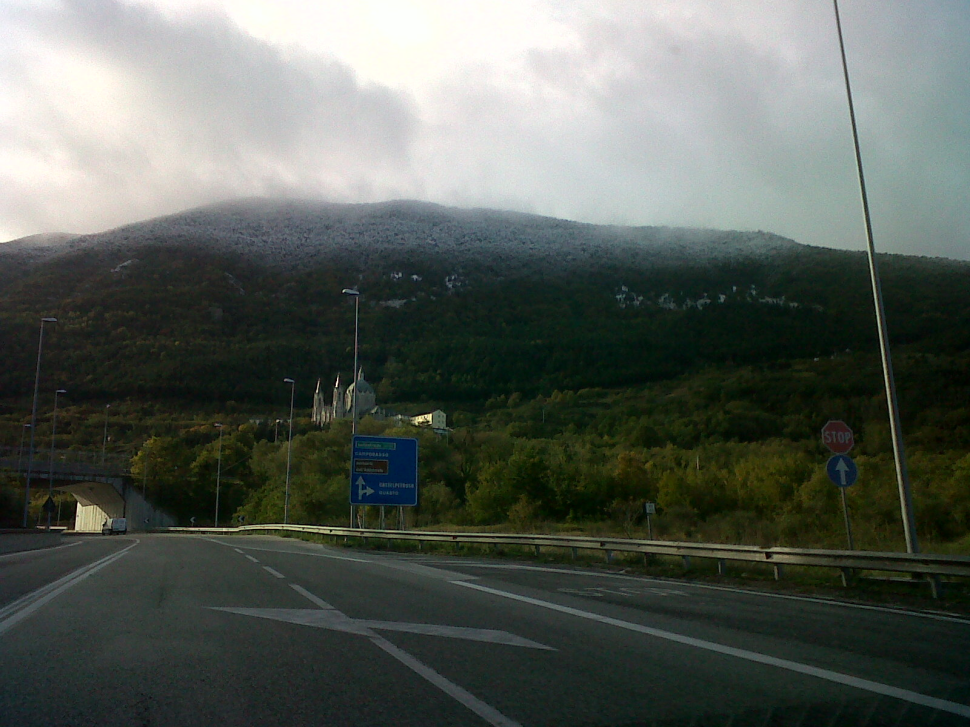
842, 470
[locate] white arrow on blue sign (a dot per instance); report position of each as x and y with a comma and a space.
842, 470
384, 471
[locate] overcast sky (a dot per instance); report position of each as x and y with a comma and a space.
711, 113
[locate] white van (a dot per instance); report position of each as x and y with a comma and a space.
114, 526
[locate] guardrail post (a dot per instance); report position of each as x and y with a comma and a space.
779, 571
537, 549
609, 556
721, 567
846, 576
686, 562
575, 553
936, 586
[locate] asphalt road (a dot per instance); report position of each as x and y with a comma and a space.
186, 630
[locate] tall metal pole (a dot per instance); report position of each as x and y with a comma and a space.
104, 440
899, 454
50, 463
33, 417
218, 474
289, 454
20, 457
356, 294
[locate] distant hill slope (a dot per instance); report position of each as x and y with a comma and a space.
295, 233
223, 301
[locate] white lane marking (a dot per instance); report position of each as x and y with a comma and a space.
310, 597
252, 559
273, 572
331, 618
415, 568
39, 550
936, 616
753, 656
483, 710
488, 636
597, 592
15, 612
238, 551
290, 552
469, 700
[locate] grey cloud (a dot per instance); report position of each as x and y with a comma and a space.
741, 123
204, 112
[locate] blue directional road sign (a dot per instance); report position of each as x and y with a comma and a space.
842, 470
384, 471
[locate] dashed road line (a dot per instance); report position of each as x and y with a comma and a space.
273, 572
252, 559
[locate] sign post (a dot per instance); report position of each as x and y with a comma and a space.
838, 437
649, 509
384, 471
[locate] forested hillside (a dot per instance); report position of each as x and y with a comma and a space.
584, 369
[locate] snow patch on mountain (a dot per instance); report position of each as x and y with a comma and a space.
296, 233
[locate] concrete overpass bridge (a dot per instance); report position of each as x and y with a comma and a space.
102, 491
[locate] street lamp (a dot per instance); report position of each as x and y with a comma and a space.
33, 416
104, 439
218, 472
20, 457
289, 455
50, 465
895, 426
356, 295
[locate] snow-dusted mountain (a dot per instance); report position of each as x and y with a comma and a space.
223, 301
294, 233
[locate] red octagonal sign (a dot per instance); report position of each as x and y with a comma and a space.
837, 436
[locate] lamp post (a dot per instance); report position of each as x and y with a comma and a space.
50, 464
356, 295
289, 454
104, 440
20, 457
895, 427
33, 416
218, 473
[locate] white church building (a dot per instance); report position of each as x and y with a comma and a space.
341, 406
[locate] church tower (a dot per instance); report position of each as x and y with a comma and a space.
339, 409
319, 406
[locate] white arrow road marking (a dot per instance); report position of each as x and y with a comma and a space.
336, 621
328, 617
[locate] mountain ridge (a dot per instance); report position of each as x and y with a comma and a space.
316, 230
221, 301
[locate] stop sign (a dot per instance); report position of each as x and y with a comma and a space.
837, 436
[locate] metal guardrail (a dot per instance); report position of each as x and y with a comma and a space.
924, 564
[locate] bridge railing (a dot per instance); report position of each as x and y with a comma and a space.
930, 566
66, 459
